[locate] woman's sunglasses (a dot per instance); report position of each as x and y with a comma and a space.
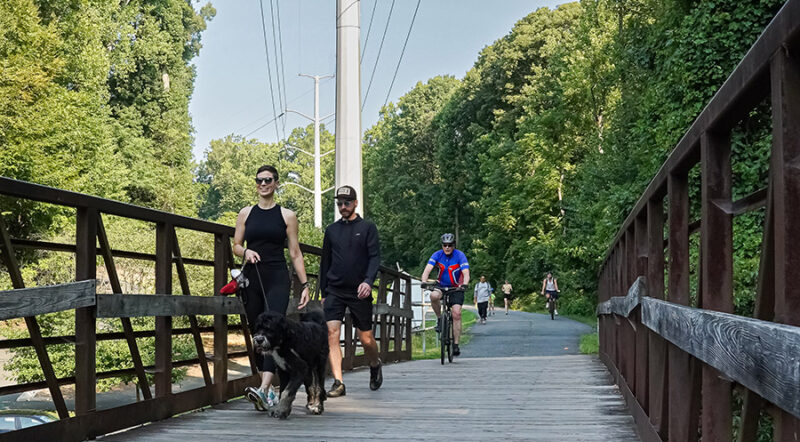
267, 180
345, 203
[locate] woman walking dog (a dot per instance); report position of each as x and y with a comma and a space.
265, 228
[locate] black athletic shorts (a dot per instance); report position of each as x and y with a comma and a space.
553, 294
360, 310
456, 298
508, 295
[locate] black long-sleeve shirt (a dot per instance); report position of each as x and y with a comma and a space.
350, 255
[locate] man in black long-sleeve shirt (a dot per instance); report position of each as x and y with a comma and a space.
350, 260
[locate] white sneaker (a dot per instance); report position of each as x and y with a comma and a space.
556, 312
272, 398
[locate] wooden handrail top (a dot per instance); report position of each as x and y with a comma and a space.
760, 355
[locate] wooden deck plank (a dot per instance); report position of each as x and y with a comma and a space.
514, 398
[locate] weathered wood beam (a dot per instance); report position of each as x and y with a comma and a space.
128, 306
623, 306
759, 355
33, 301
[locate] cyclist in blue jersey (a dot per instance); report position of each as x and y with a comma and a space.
453, 272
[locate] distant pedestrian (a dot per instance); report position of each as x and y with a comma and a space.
551, 291
483, 292
491, 303
507, 290
350, 261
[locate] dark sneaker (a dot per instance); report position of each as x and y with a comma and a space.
376, 376
438, 327
337, 389
456, 350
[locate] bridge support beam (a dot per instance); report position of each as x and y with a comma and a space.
85, 329
785, 79
683, 376
716, 267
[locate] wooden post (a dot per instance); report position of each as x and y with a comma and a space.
221, 249
683, 406
163, 350
716, 252
785, 78
641, 332
630, 335
85, 330
657, 348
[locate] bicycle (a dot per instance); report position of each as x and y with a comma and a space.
446, 332
551, 307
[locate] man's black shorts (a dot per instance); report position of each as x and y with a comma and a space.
456, 298
360, 310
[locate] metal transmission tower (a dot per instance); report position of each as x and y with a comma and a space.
348, 98
317, 170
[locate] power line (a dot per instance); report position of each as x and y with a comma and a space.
250, 123
280, 43
380, 48
369, 28
275, 118
278, 63
269, 70
410, 27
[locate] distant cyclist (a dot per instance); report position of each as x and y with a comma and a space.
453, 272
550, 290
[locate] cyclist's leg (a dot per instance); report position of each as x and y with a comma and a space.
456, 310
436, 302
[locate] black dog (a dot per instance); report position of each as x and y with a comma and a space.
300, 350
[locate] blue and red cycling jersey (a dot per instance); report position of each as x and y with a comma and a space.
450, 267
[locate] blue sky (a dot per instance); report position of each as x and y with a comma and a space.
232, 93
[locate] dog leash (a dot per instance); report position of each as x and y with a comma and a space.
260, 283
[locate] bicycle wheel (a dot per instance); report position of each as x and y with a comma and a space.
450, 338
552, 309
443, 338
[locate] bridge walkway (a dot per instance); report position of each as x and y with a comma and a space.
520, 397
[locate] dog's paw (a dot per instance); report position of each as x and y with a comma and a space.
278, 412
315, 408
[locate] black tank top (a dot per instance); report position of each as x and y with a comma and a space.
265, 233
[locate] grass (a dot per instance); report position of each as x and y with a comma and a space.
433, 351
589, 344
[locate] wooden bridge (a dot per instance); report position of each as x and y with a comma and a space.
686, 367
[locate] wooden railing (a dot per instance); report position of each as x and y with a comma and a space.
392, 315
678, 366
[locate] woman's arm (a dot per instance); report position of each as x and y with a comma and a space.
555, 283
295, 254
238, 238
544, 281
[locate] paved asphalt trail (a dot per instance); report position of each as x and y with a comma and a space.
524, 334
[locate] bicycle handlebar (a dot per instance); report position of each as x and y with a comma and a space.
436, 286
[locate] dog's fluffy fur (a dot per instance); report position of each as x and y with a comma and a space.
300, 350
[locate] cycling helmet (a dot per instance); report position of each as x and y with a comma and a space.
448, 238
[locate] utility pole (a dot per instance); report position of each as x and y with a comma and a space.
317, 170
348, 98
